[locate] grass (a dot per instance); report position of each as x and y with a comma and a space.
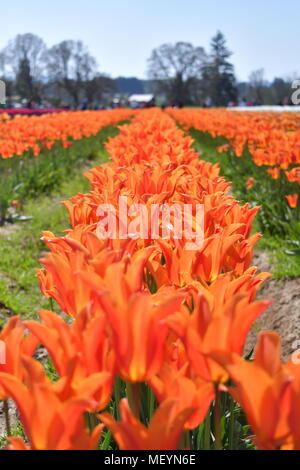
20, 245
278, 223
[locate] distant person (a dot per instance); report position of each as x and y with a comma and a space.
208, 102
84, 105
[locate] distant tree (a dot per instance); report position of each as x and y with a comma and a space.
24, 80
70, 65
257, 84
260, 91
175, 68
23, 59
282, 89
98, 88
218, 77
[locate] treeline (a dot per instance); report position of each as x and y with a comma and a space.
189, 75
67, 74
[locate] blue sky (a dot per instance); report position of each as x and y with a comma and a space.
122, 33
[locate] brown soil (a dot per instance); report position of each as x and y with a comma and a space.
12, 417
283, 315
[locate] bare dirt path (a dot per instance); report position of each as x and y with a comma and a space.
283, 315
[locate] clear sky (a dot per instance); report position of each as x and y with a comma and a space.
122, 33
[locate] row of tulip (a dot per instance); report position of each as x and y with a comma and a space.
12, 112
59, 141
269, 172
33, 133
146, 318
273, 139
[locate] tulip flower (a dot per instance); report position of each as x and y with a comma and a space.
221, 320
163, 432
138, 332
194, 392
292, 368
264, 390
14, 344
50, 423
81, 355
274, 172
250, 183
292, 200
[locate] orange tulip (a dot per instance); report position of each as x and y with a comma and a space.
14, 344
292, 368
24, 133
222, 318
293, 175
264, 390
271, 138
188, 392
81, 355
250, 183
163, 432
49, 421
138, 332
274, 172
292, 200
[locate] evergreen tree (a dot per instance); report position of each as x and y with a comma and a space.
218, 73
24, 81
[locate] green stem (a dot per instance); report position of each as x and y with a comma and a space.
231, 425
217, 419
207, 425
117, 395
151, 402
91, 420
187, 440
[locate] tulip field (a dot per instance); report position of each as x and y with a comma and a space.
268, 165
145, 333
34, 150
